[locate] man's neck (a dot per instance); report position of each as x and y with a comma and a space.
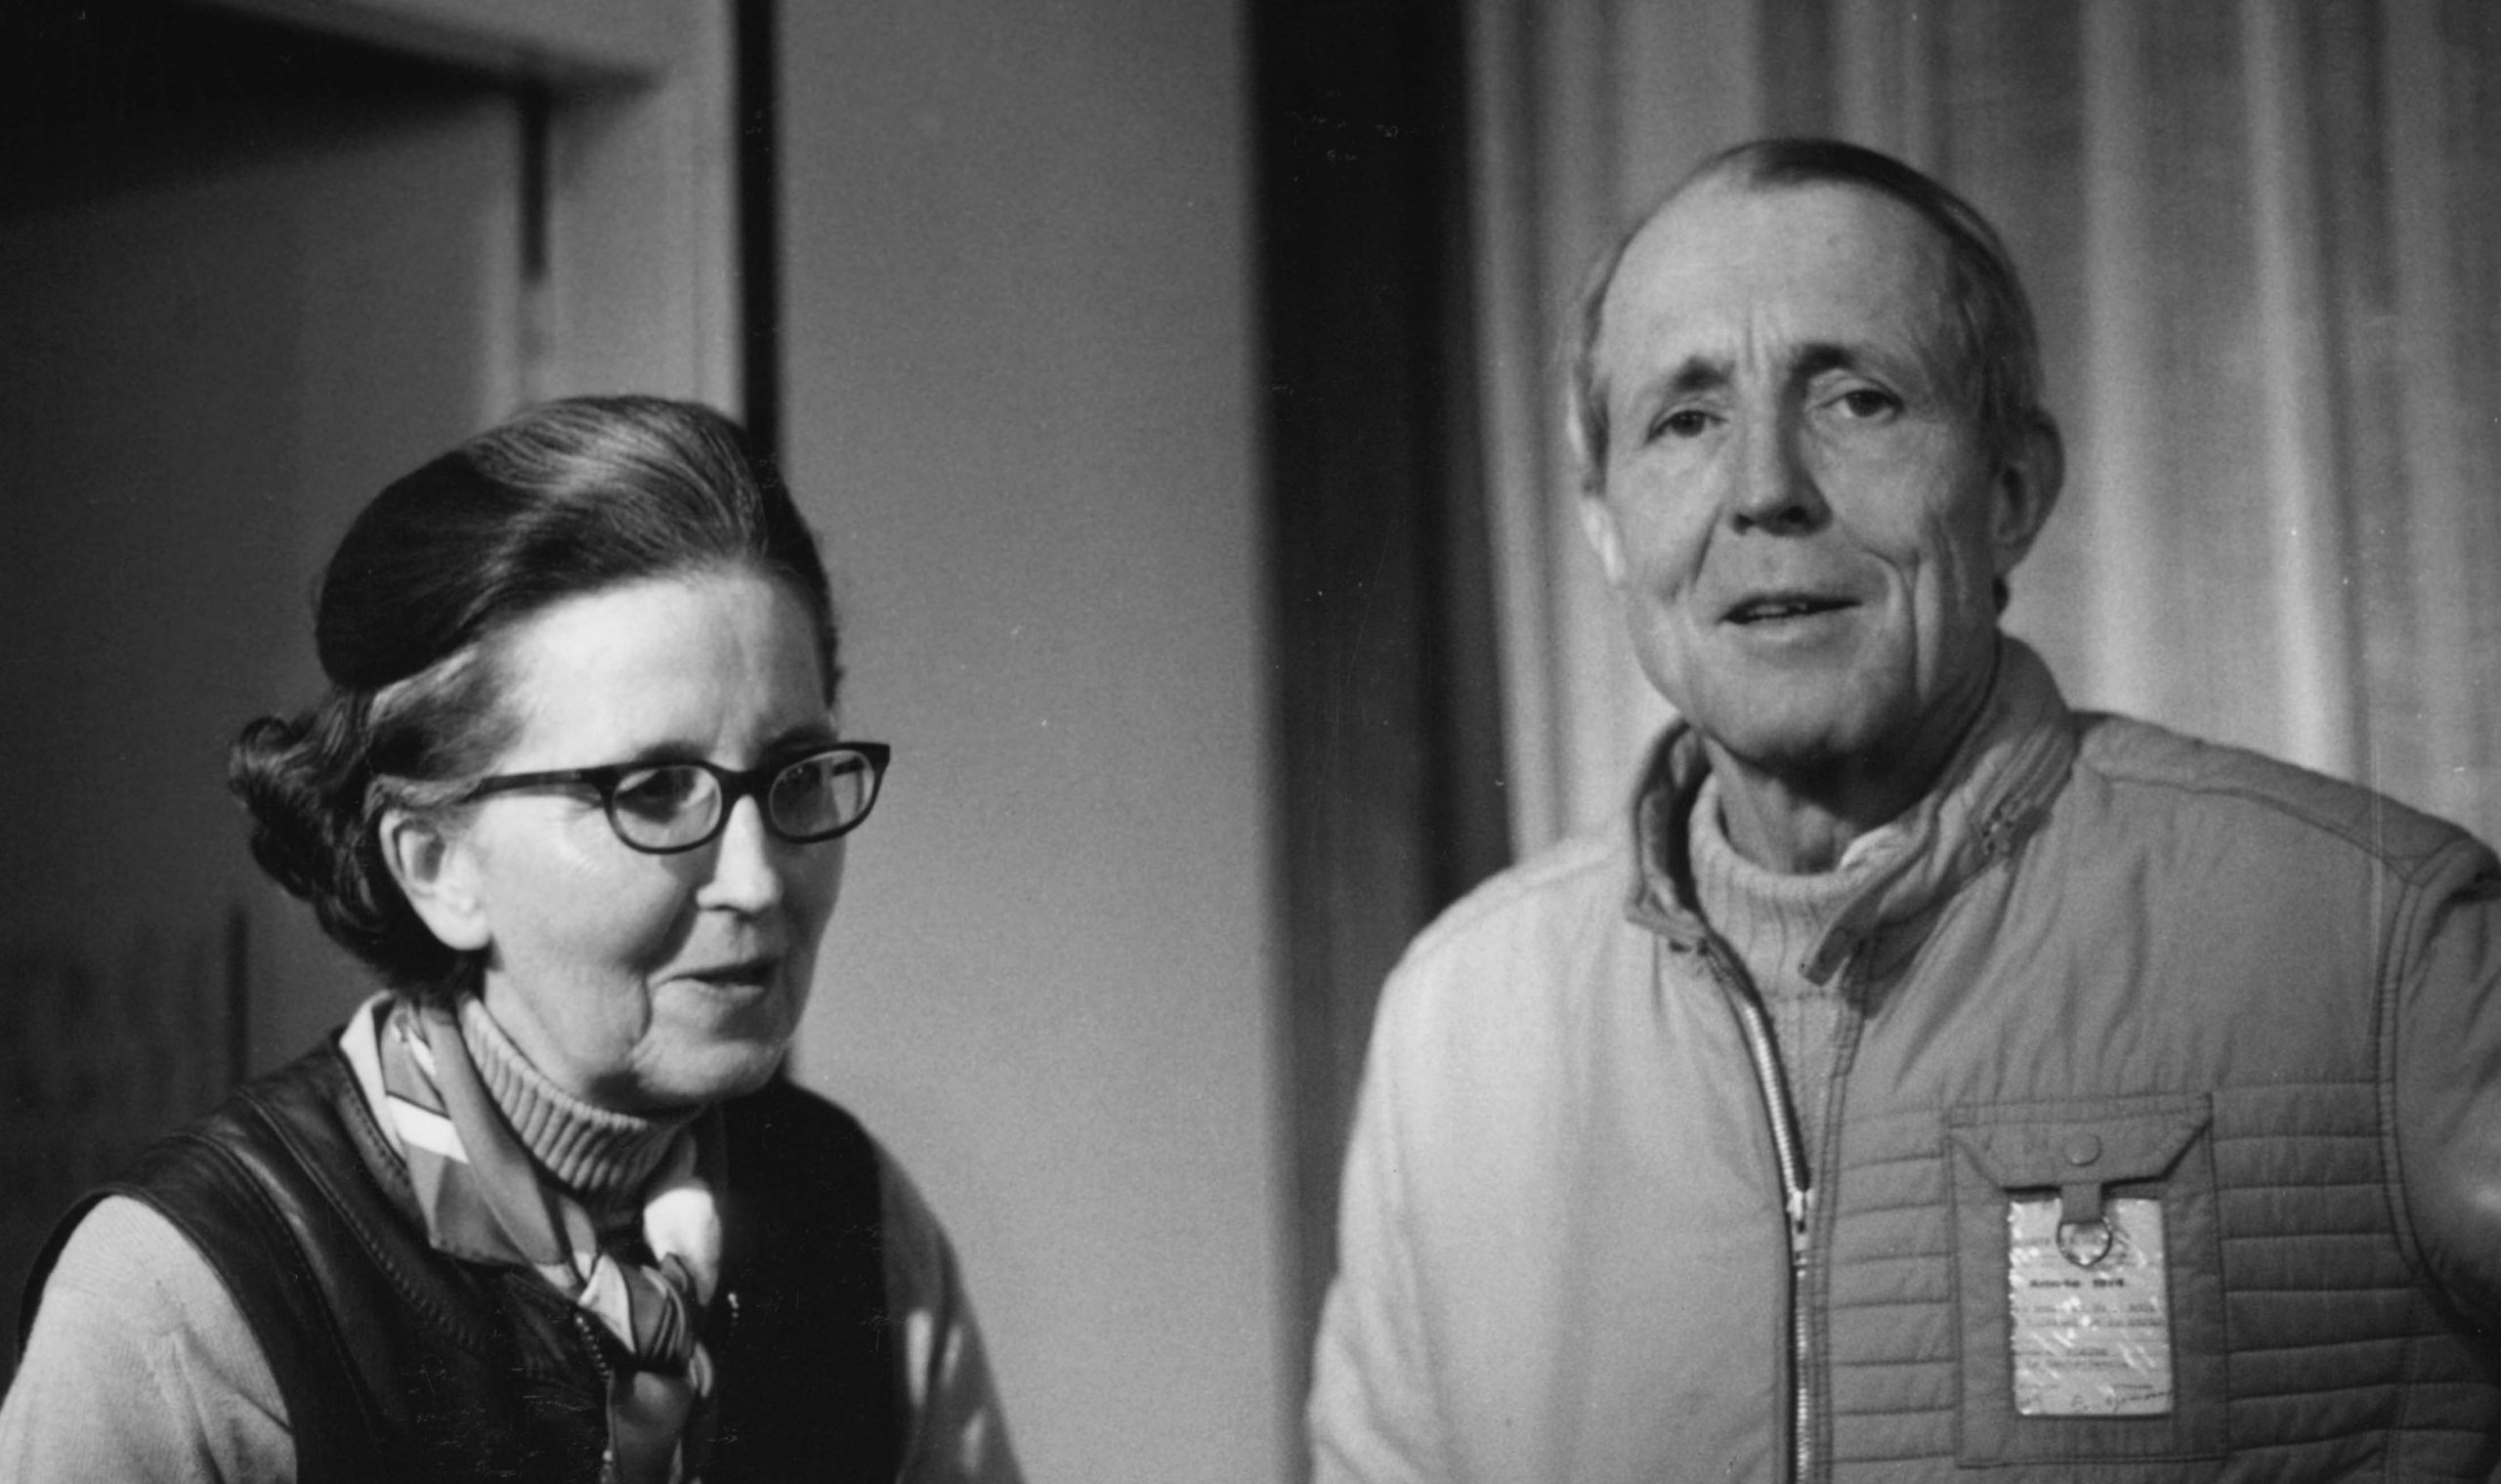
1799, 820
1799, 827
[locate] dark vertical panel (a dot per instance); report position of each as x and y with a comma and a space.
2341, 50
1390, 742
2470, 111
239, 275
759, 193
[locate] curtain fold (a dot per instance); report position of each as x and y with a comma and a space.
2266, 259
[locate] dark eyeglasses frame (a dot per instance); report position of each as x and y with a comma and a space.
736, 785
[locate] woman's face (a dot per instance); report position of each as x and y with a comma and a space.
641, 982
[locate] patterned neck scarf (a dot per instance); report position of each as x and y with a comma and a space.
483, 1200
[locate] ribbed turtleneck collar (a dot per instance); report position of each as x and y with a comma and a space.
1770, 917
602, 1157
2000, 781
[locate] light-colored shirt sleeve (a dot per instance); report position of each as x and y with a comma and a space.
957, 1433
141, 1368
1371, 1415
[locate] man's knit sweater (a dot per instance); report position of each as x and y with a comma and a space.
1771, 922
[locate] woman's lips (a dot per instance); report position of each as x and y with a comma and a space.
746, 974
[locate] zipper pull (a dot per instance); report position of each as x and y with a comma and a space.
1802, 1207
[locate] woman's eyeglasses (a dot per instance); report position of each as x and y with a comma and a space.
662, 808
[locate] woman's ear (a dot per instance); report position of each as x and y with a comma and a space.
438, 873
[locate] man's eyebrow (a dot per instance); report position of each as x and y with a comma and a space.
1819, 356
1816, 358
1694, 373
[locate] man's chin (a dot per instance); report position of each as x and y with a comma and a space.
1848, 758
1786, 747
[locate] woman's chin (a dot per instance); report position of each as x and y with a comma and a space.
735, 1075
697, 1076
703, 1047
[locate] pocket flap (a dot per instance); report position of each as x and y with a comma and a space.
2031, 1148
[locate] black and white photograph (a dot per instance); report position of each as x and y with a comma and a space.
1275, 742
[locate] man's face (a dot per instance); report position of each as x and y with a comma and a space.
1798, 508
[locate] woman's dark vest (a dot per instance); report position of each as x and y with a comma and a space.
397, 1362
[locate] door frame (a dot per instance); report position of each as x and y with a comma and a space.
637, 179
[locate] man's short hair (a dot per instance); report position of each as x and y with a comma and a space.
1995, 345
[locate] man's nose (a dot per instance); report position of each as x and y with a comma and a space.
1773, 487
747, 865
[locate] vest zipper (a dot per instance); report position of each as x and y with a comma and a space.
606, 1390
1796, 1196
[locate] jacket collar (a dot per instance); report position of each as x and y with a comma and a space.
1996, 787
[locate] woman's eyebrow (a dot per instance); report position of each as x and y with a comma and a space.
650, 754
806, 733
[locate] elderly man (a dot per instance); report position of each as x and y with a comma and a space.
1926, 1075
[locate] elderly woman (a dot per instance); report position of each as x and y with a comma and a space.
542, 1210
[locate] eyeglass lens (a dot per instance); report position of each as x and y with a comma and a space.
678, 804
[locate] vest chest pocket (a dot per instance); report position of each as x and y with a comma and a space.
2088, 1285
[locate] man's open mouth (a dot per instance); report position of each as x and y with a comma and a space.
1766, 609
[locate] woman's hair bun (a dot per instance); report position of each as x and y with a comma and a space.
277, 777
306, 784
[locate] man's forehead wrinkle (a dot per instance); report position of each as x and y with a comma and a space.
1687, 270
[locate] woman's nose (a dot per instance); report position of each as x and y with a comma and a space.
746, 870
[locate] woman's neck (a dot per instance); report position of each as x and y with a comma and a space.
602, 1157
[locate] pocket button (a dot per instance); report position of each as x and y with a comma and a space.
2083, 1149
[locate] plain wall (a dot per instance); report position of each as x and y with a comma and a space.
1017, 258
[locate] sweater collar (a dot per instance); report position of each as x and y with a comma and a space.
1997, 784
602, 1157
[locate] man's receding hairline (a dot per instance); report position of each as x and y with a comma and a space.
1745, 176
1735, 176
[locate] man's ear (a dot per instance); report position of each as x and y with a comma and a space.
1606, 537
439, 877
2026, 491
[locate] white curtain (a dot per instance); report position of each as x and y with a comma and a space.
2265, 243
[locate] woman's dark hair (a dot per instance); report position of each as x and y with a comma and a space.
564, 499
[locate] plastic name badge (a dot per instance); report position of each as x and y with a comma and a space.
2091, 1320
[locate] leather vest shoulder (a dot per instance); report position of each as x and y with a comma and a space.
397, 1362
